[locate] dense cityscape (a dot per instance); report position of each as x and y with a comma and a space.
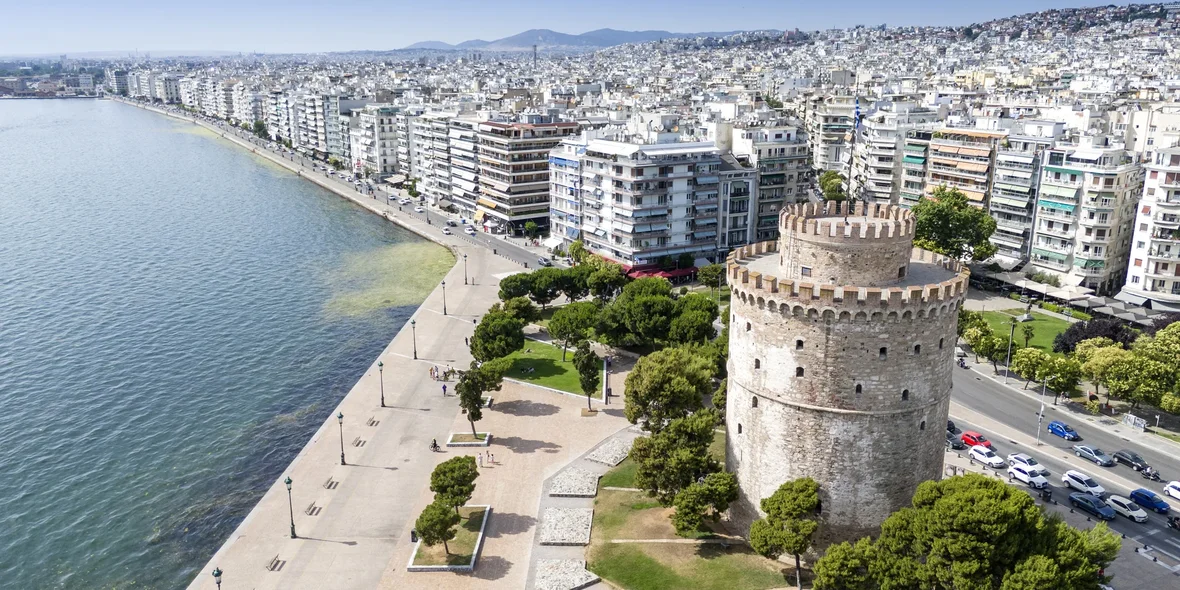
786, 256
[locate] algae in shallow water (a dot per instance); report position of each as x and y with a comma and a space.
393, 276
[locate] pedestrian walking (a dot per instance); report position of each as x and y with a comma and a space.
444, 389
493, 456
479, 461
466, 341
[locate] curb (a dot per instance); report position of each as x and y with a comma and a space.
487, 515
487, 441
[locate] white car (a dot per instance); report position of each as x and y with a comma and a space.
404, 202
446, 231
419, 210
1030, 477
469, 230
1084, 483
1172, 489
1127, 508
1028, 463
392, 197
986, 456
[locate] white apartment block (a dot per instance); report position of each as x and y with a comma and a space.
433, 169
280, 112
1153, 277
779, 154
1085, 212
638, 203
247, 104
514, 170
464, 154
738, 184
828, 119
373, 134
878, 154
168, 89
190, 92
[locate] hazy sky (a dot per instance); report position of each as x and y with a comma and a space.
65, 26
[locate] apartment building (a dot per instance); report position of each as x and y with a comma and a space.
1085, 212
779, 153
514, 170
247, 104
638, 203
117, 82
878, 153
407, 153
1015, 183
190, 92
963, 159
280, 112
317, 124
829, 120
168, 89
739, 204
464, 153
372, 132
433, 167
1153, 277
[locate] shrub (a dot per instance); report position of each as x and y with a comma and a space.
1050, 306
1014, 296
1081, 315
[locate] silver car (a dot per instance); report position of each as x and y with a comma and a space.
1094, 454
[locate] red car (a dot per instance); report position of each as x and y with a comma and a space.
972, 438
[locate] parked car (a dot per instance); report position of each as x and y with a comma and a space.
1092, 504
1172, 489
452, 223
1131, 459
1094, 454
1029, 477
404, 202
1150, 500
972, 438
960, 353
951, 428
392, 197
446, 231
544, 261
419, 210
1127, 508
985, 456
1082, 483
954, 442
1063, 430
1030, 464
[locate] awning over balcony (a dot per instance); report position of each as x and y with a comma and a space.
908, 159
1012, 187
1056, 205
487, 203
1049, 254
1062, 170
1059, 191
1010, 202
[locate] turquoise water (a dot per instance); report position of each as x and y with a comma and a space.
177, 316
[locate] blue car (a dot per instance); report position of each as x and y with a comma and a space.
1092, 504
1063, 430
1149, 500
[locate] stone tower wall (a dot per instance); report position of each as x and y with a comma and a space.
841, 243
868, 450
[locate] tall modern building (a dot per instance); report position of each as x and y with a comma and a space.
514, 170
373, 140
464, 153
1153, 277
779, 152
829, 119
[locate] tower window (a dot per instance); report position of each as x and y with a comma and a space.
798, 345
858, 389
905, 394
883, 353
754, 402
901, 272
757, 363
917, 349
922, 426
739, 428
798, 371
747, 326
805, 271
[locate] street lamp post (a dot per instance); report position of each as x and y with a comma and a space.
414, 336
340, 420
381, 380
290, 505
217, 577
1041, 414
444, 289
1008, 364
464, 269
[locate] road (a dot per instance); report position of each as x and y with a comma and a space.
1016, 432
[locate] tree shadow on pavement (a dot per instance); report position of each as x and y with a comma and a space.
524, 445
491, 567
524, 407
616, 412
504, 524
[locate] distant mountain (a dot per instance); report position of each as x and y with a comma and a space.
548, 39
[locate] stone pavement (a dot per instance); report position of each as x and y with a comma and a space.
351, 518
536, 433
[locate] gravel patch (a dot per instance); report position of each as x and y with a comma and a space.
611, 453
574, 483
566, 526
562, 574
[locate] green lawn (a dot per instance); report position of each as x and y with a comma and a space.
467, 438
673, 567
462, 546
544, 315
1045, 328
623, 474
548, 368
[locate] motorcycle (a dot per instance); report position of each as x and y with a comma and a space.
1174, 522
962, 364
1150, 474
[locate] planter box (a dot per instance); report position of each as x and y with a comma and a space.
458, 567
464, 440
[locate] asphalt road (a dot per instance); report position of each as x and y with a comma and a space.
1019, 413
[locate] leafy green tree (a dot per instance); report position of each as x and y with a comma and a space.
1132, 376
1060, 374
845, 567
516, 285
546, 285
1080, 331
696, 302
575, 282
578, 252
573, 323
970, 532
707, 498
719, 398
1084, 349
1027, 363
978, 337
831, 184
606, 282
666, 385
497, 335
789, 524
692, 326
437, 524
1097, 363
589, 368
1027, 332
530, 229
685, 260
994, 349
260, 129
522, 309
967, 320
672, 459
453, 481
474, 383
711, 276
947, 223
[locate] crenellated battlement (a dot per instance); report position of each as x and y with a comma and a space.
842, 221
753, 287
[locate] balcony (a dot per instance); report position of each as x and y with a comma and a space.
1055, 231
739, 194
